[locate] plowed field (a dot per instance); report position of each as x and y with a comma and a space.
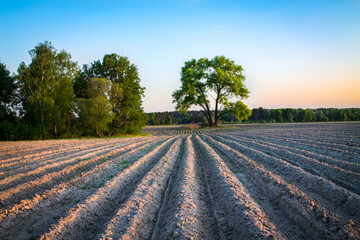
283, 181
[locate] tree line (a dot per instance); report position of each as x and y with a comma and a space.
304, 115
260, 115
53, 97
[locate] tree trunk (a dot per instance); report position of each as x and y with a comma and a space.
42, 119
216, 108
206, 109
98, 132
207, 117
119, 125
216, 114
55, 132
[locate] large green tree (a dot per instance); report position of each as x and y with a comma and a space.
7, 101
46, 89
125, 94
95, 112
7, 84
220, 79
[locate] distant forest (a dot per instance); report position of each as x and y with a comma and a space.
261, 115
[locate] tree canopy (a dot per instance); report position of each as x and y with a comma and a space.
52, 97
7, 85
7, 96
46, 89
218, 80
124, 95
95, 112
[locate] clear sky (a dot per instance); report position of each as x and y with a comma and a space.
295, 53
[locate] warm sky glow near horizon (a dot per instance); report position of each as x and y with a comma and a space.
295, 53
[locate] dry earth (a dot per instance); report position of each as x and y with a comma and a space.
282, 181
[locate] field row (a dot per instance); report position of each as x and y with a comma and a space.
215, 184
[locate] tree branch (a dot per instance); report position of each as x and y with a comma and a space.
222, 113
122, 123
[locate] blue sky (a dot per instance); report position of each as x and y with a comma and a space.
295, 53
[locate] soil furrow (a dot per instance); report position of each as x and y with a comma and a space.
344, 178
38, 161
340, 154
211, 204
267, 196
73, 154
10, 151
308, 135
354, 167
136, 218
31, 154
37, 186
184, 214
57, 165
89, 218
237, 213
34, 200
314, 218
34, 216
323, 142
242, 181
342, 201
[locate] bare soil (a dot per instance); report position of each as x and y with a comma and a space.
260, 181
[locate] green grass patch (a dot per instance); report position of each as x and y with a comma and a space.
125, 164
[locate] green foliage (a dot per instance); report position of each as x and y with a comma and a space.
276, 115
124, 95
304, 115
240, 110
7, 84
168, 120
7, 99
95, 112
46, 89
52, 98
261, 115
220, 77
308, 115
152, 119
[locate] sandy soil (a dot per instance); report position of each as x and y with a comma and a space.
265, 181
